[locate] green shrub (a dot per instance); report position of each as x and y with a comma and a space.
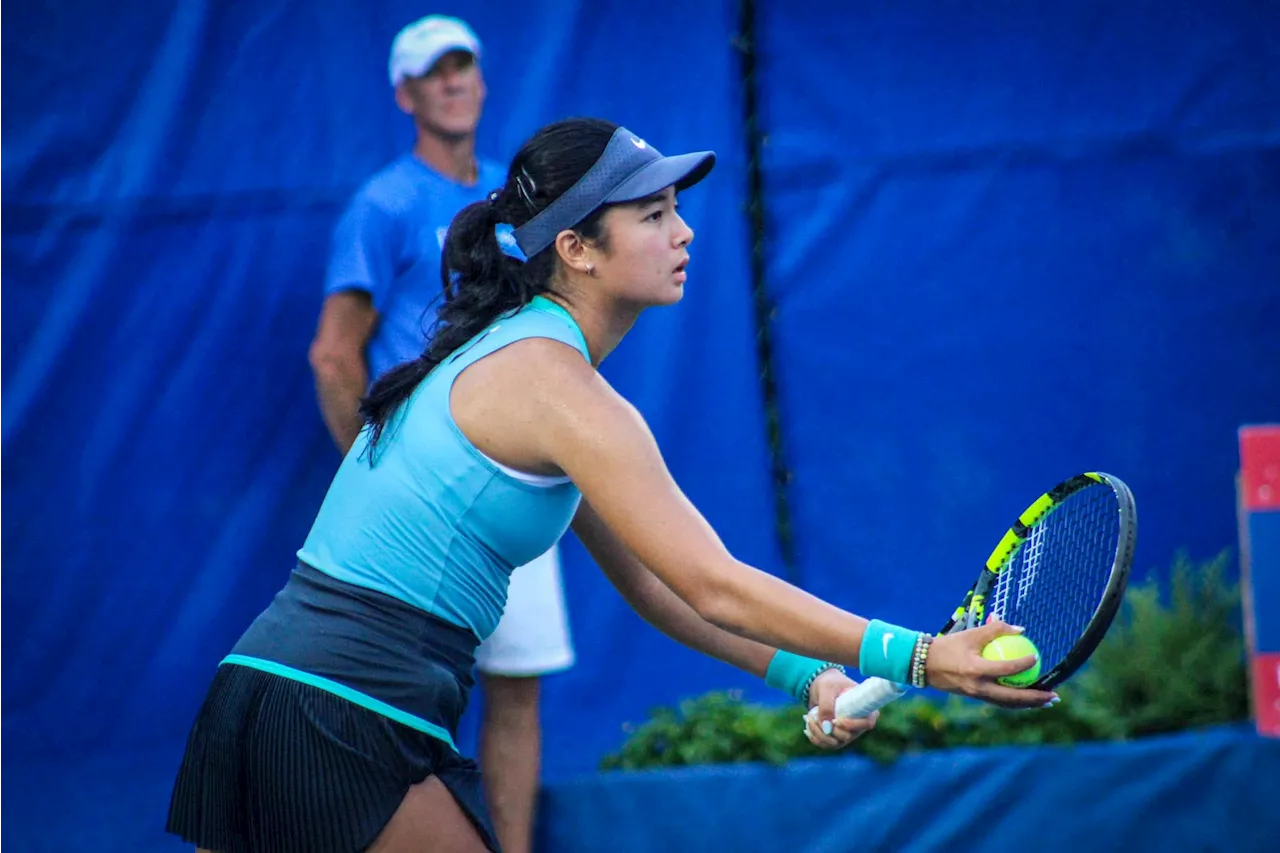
1169, 662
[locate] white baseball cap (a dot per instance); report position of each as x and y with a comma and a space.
417, 47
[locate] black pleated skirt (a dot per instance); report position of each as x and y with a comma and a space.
273, 764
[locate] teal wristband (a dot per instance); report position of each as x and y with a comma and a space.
886, 651
793, 673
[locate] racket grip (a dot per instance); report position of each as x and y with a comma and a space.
870, 695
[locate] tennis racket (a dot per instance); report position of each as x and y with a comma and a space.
1060, 572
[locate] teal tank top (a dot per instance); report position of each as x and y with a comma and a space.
433, 521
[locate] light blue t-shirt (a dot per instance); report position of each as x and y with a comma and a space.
433, 521
388, 243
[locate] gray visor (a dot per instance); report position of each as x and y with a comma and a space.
628, 170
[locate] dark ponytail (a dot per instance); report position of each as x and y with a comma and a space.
472, 250
481, 281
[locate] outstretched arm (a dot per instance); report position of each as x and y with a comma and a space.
658, 605
603, 444
566, 418
667, 612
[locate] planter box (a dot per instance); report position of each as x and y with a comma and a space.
1217, 789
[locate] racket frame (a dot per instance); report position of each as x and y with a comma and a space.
875, 693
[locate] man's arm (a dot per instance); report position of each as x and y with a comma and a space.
347, 320
359, 275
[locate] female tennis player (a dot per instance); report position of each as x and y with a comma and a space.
330, 725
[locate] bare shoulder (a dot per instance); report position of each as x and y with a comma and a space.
527, 402
531, 369
571, 393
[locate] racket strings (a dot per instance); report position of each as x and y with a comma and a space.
1032, 550
1054, 583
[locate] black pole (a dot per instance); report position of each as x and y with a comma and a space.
745, 43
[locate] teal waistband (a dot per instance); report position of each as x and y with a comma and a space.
343, 692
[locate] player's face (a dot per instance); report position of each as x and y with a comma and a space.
447, 100
647, 250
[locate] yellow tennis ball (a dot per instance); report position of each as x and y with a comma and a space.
1012, 647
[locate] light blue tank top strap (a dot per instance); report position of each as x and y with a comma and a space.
545, 305
541, 318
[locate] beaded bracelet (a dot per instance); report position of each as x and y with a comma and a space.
919, 658
794, 674
804, 689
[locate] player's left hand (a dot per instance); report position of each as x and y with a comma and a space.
820, 724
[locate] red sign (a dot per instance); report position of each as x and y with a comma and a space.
1266, 694
1260, 467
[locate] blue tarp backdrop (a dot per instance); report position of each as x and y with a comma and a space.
167, 206
1008, 247
1002, 248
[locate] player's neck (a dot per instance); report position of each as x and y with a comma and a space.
604, 324
453, 157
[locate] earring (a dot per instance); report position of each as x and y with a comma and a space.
591, 270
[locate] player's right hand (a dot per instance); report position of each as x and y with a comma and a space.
956, 665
